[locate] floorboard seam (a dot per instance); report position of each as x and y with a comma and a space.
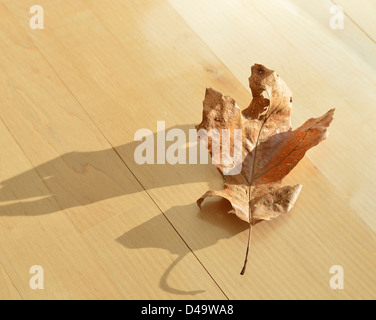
101, 132
356, 24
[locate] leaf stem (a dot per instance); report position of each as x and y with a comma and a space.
248, 247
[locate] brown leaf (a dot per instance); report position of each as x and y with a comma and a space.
270, 149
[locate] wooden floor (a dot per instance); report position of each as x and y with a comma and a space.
73, 200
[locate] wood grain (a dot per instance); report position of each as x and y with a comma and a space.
324, 68
362, 14
81, 177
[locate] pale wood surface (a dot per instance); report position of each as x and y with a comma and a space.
73, 200
362, 13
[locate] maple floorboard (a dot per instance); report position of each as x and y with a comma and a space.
76, 92
7, 288
69, 181
324, 68
71, 269
361, 14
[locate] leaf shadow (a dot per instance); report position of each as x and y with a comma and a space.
77, 179
213, 215
82, 178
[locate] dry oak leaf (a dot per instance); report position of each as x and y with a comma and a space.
270, 149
